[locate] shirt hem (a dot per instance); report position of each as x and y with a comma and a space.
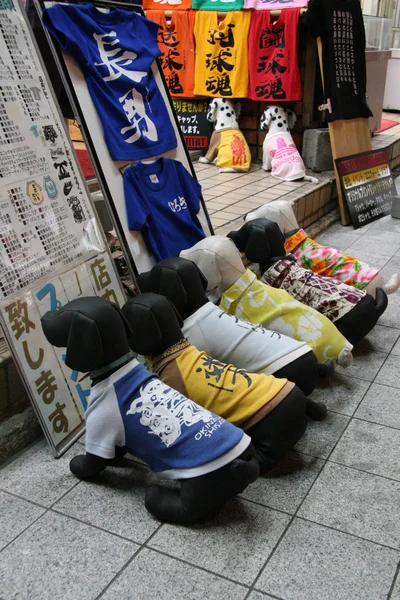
155, 151
279, 363
214, 465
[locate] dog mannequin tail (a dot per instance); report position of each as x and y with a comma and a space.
392, 285
245, 471
309, 178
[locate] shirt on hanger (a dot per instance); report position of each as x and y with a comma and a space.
176, 42
340, 25
167, 4
115, 50
162, 201
176, 437
273, 65
219, 5
275, 4
221, 54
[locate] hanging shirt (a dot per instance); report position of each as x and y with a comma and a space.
162, 201
328, 261
176, 437
218, 5
115, 50
253, 301
221, 54
167, 4
275, 4
327, 295
340, 25
247, 346
274, 70
176, 42
235, 394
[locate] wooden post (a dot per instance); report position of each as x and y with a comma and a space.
348, 136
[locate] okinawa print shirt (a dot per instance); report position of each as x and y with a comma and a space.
222, 68
327, 295
231, 392
274, 70
340, 24
176, 437
162, 201
328, 261
253, 301
115, 50
176, 42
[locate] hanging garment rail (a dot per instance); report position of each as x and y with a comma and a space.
274, 13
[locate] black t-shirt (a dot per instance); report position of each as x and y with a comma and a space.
340, 25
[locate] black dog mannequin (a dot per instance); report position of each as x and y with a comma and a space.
262, 242
95, 335
182, 282
157, 329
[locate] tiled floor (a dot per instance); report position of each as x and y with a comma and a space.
325, 525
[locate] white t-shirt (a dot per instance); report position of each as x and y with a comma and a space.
242, 344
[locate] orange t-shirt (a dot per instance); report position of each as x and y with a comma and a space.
176, 42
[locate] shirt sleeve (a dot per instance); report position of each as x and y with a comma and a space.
59, 20
314, 19
136, 208
191, 188
148, 33
104, 428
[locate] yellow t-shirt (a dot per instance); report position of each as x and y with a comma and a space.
232, 393
222, 69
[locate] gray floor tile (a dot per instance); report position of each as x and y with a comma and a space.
396, 348
391, 316
315, 563
154, 576
396, 590
380, 339
381, 404
285, 486
366, 364
58, 558
115, 502
378, 248
321, 436
36, 475
370, 447
259, 596
389, 373
356, 502
236, 544
341, 394
17, 515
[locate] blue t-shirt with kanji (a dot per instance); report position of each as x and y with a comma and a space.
175, 436
115, 49
162, 201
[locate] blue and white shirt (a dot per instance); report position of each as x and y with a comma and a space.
115, 50
176, 437
162, 201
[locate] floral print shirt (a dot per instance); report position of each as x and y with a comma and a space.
327, 295
329, 262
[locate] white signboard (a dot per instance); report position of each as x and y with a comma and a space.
51, 250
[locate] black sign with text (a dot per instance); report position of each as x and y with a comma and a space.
367, 184
192, 117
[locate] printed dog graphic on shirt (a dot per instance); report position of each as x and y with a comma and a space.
164, 410
228, 147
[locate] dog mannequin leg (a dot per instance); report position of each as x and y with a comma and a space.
316, 410
88, 465
228, 170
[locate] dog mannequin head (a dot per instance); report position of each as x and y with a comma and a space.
223, 113
279, 211
277, 119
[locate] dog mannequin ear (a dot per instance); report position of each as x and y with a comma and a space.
212, 109
84, 347
257, 248
238, 108
202, 277
141, 319
127, 327
266, 119
291, 119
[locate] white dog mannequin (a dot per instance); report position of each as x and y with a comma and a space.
280, 155
220, 262
281, 212
227, 144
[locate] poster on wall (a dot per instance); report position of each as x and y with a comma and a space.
51, 249
367, 184
192, 118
